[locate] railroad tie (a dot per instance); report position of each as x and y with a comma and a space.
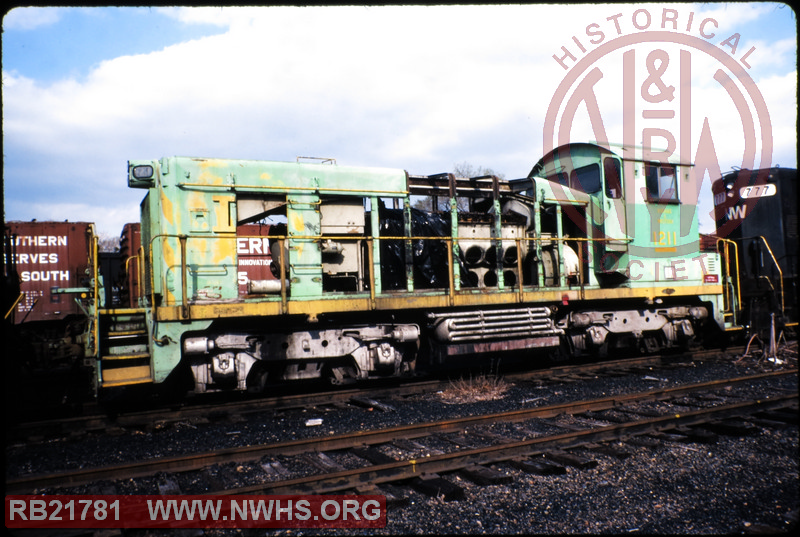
732, 428
538, 466
700, 434
275, 468
370, 404
372, 455
411, 446
394, 497
438, 487
784, 416
484, 475
322, 461
612, 451
570, 459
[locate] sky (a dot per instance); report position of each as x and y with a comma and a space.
414, 87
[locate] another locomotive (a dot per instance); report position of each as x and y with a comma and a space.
756, 216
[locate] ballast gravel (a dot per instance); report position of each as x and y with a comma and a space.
746, 484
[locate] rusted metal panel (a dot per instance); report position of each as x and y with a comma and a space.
254, 259
49, 256
129, 244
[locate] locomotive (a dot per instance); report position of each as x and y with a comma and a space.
756, 213
377, 273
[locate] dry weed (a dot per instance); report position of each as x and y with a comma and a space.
480, 388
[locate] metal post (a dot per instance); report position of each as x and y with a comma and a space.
370, 259
520, 275
282, 261
773, 348
184, 300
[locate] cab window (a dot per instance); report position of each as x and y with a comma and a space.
613, 175
586, 179
662, 183
560, 178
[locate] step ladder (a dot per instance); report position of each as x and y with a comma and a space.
124, 357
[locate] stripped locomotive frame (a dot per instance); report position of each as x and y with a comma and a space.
369, 286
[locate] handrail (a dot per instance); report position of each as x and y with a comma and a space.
141, 298
95, 279
138, 270
737, 285
780, 272
299, 189
282, 261
184, 286
14, 305
371, 271
450, 289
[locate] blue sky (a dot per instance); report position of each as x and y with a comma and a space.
56, 43
86, 89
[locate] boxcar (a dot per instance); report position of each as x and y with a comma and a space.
49, 256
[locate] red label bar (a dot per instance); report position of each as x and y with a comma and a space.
217, 511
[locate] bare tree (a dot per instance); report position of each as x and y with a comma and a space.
108, 243
465, 169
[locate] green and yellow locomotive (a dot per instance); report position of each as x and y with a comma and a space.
591, 253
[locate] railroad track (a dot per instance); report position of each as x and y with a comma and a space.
99, 421
378, 467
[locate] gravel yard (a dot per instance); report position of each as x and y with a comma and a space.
738, 484
730, 487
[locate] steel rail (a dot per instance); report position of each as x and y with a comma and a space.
25, 484
449, 462
97, 420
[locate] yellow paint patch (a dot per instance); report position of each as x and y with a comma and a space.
225, 210
212, 163
168, 254
196, 201
217, 251
297, 222
166, 208
208, 178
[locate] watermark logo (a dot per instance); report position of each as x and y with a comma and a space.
643, 76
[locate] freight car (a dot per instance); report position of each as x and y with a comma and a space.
756, 218
52, 261
48, 306
592, 253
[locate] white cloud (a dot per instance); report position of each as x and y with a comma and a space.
29, 18
420, 88
733, 16
781, 93
220, 16
778, 53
